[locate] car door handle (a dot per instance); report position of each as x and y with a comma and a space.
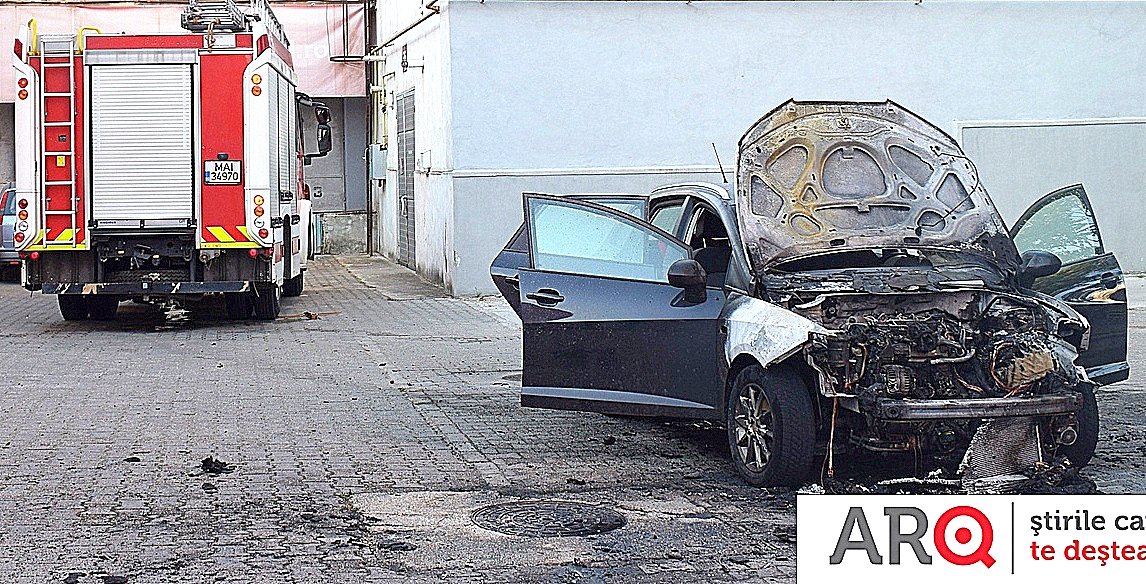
546, 297
1109, 280
514, 281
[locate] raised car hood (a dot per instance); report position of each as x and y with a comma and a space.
818, 176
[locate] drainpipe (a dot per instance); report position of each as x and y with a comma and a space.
375, 73
432, 6
370, 15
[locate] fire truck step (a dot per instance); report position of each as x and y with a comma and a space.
57, 182
59, 153
56, 65
50, 124
59, 212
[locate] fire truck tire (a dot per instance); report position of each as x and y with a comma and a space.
238, 305
293, 286
73, 307
102, 307
267, 303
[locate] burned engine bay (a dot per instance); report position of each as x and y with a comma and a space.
965, 354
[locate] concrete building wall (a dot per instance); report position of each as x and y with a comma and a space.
570, 95
339, 176
427, 72
325, 174
354, 152
1020, 163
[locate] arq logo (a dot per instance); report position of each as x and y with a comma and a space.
896, 539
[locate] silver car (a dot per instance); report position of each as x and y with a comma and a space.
9, 259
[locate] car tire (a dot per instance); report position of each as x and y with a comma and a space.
293, 286
1084, 445
102, 307
73, 306
238, 305
771, 427
267, 303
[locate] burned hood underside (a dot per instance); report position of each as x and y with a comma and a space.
817, 177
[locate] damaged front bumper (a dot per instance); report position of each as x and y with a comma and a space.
908, 410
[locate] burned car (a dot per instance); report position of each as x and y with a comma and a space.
860, 292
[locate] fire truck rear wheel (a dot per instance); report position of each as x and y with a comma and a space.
73, 306
102, 307
238, 305
293, 286
267, 303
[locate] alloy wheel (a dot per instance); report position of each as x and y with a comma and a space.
753, 427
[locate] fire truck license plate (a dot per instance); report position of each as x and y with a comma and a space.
222, 172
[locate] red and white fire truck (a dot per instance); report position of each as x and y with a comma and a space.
163, 167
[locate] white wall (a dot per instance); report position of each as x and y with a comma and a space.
427, 73
623, 88
1019, 164
568, 84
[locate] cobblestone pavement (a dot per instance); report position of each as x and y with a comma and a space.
362, 440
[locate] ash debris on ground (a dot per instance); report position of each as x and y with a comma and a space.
1056, 477
214, 466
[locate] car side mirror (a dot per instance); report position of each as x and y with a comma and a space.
689, 275
1037, 263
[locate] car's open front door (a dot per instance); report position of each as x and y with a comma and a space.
1090, 279
515, 255
603, 330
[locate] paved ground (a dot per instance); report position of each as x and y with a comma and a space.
361, 442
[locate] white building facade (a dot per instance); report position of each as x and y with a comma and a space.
482, 100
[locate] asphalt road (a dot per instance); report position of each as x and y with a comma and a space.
363, 429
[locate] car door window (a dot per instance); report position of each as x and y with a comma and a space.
631, 207
582, 238
668, 215
1063, 225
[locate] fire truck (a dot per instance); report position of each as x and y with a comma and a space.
164, 167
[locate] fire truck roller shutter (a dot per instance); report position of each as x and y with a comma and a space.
142, 143
281, 135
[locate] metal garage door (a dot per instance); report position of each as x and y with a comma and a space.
406, 233
142, 158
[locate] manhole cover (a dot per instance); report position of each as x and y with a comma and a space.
547, 518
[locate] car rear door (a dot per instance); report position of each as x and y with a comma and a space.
602, 328
1090, 280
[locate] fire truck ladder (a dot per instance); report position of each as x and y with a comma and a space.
209, 16
55, 47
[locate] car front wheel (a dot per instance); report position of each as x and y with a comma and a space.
771, 427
